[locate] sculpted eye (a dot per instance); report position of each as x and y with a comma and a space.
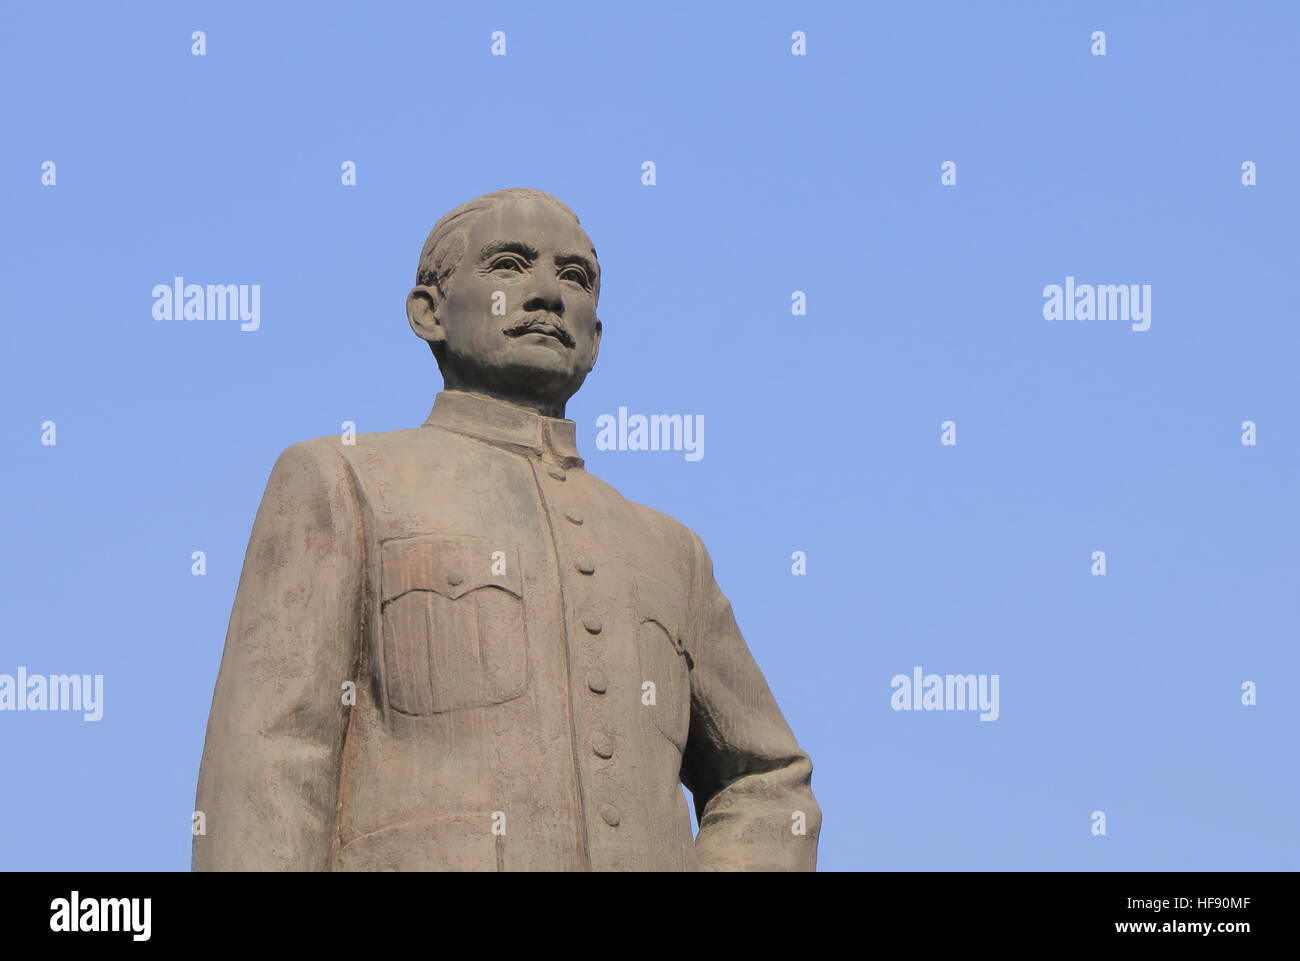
577, 274
507, 262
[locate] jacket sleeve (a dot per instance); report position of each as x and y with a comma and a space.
751, 782
268, 781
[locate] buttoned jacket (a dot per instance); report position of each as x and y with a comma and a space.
453, 648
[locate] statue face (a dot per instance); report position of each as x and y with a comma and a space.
537, 264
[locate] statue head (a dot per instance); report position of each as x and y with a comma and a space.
506, 295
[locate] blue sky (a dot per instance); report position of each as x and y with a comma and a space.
775, 173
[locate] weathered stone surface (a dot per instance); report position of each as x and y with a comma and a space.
454, 649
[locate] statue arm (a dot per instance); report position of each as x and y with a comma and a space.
750, 779
268, 781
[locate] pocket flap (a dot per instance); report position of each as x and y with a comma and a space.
448, 564
657, 602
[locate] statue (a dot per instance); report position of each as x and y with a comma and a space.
453, 649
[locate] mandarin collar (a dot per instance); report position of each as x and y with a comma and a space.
505, 425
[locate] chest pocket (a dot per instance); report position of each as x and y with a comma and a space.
452, 622
664, 659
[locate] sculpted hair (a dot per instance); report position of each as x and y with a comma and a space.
445, 245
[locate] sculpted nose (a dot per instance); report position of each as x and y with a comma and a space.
546, 296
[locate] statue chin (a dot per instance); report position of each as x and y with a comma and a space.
536, 377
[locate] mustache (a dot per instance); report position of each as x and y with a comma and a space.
540, 323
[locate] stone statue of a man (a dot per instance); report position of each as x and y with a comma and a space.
454, 649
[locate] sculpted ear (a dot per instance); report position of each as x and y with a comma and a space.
595, 344
422, 305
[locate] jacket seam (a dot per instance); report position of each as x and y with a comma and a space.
358, 641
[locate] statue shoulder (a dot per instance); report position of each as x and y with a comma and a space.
335, 456
351, 447
679, 538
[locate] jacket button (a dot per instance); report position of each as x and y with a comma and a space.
610, 815
455, 579
602, 745
573, 515
592, 623
556, 473
596, 682
586, 565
